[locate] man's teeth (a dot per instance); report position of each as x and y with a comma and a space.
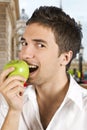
32, 66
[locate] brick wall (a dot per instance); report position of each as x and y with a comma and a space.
3, 44
9, 13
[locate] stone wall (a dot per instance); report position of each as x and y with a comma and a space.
8, 17
3, 41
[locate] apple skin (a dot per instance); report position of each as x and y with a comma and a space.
21, 68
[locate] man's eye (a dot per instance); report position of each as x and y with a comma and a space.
41, 45
24, 43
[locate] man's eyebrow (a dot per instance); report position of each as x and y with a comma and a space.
22, 38
39, 40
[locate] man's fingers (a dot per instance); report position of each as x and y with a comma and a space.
16, 91
13, 79
4, 74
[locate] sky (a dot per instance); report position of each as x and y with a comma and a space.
75, 8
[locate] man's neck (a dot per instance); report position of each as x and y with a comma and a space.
52, 89
49, 100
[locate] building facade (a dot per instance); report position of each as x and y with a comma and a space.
9, 14
75, 65
20, 28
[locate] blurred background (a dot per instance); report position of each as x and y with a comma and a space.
13, 17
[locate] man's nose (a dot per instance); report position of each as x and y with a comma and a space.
28, 52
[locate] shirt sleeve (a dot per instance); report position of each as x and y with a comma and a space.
3, 109
3, 112
22, 124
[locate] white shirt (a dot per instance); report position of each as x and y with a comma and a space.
72, 114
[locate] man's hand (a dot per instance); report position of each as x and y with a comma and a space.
12, 89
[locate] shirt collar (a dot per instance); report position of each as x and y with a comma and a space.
74, 93
30, 92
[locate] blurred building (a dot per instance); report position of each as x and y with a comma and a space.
23, 15
20, 27
12, 26
9, 14
75, 65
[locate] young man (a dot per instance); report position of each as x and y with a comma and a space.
53, 100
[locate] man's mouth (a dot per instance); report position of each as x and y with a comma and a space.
33, 68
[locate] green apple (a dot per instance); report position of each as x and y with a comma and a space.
21, 68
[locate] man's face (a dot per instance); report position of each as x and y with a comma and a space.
40, 51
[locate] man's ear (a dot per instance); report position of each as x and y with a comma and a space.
67, 56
